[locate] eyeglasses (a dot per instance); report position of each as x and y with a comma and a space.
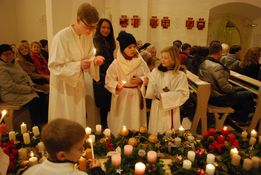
88, 26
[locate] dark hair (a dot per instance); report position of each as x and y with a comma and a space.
43, 42
233, 49
4, 48
185, 46
215, 48
88, 13
177, 43
110, 37
144, 46
214, 42
61, 135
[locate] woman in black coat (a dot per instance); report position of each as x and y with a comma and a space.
104, 43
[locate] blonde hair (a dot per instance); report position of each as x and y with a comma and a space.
174, 55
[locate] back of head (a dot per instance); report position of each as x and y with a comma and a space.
145, 55
88, 13
125, 39
215, 48
234, 48
185, 46
225, 48
43, 42
252, 55
177, 43
61, 135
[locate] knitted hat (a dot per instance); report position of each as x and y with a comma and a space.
125, 39
4, 47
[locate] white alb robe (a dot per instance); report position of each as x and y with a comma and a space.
160, 113
47, 167
125, 105
67, 85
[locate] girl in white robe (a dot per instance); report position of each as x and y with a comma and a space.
124, 79
168, 89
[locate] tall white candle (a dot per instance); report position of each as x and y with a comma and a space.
191, 156
210, 158
128, 150
12, 136
26, 138
247, 164
140, 168
98, 129
253, 133
255, 162
181, 130
210, 169
152, 156
90, 140
36, 131
23, 128
235, 160
3, 113
116, 160
187, 164
92, 137
88, 130
107, 132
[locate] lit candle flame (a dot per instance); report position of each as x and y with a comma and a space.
123, 81
31, 154
4, 112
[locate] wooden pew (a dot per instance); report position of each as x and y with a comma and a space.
202, 90
10, 113
253, 86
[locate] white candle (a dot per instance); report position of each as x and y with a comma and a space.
247, 164
181, 130
244, 135
33, 160
116, 160
152, 157
3, 113
12, 136
187, 164
36, 131
252, 141
210, 158
98, 129
233, 151
210, 169
191, 156
23, 128
90, 140
26, 138
40, 146
177, 141
140, 168
94, 51
107, 132
235, 160
88, 130
253, 133
128, 150
255, 162
92, 137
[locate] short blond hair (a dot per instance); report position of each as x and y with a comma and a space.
88, 13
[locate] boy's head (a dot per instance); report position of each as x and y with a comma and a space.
128, 44
63, 140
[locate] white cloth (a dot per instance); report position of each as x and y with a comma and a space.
67, 86
125, 105
160, 113
47, 167
4, 162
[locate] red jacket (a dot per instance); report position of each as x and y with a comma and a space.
40, 63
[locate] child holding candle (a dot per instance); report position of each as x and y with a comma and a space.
168, 89
63, 140
124, 78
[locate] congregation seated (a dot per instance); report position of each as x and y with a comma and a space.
232, 58
16, 87
223, 93
25, 61
249, 66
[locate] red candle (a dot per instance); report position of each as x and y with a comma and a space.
224, 130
